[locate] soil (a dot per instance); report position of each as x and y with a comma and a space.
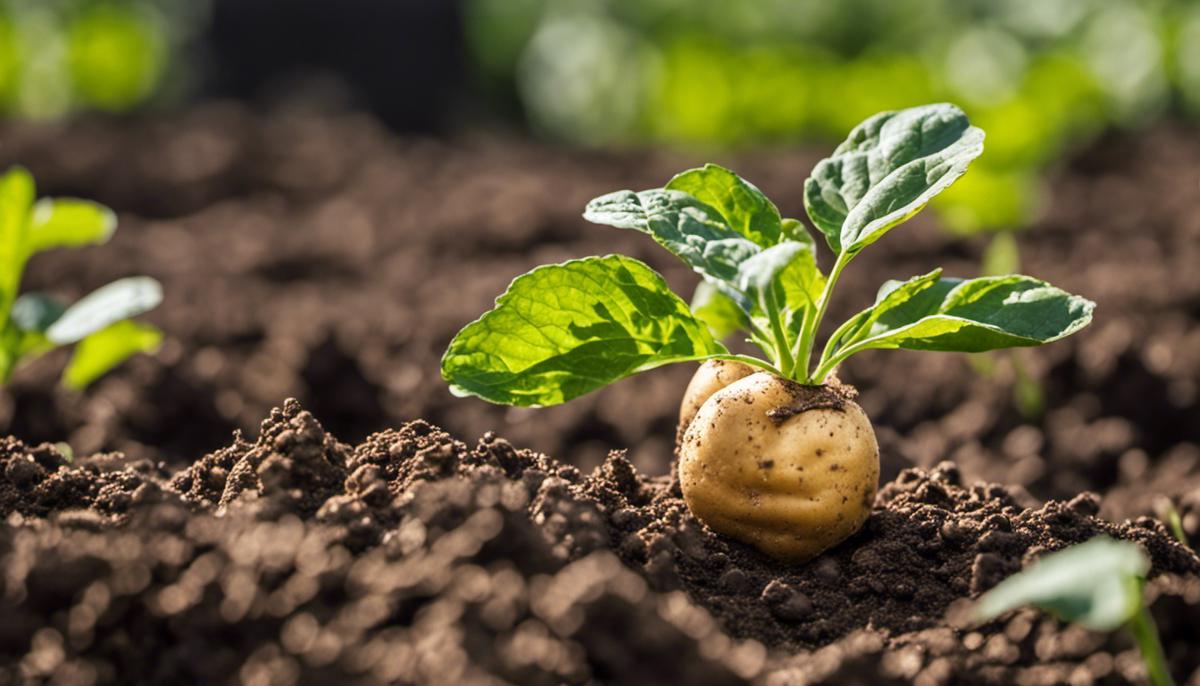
415, 558
313, 255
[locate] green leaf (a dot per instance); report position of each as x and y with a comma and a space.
118, 300
1097, 584
902, 300
717, 310
564, 330
794, 230
981, 314
889, 167
690, 229
759, 273
743, 207
802, 281
68, 223
103, 350
16, 197
36, 312
10, 344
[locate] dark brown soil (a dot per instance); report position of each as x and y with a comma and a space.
414, 558
313, 255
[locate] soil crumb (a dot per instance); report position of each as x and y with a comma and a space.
417, 558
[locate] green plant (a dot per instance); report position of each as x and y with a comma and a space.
99, 324
1098, 584
564, 330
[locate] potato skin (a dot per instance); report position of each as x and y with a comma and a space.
789, 469
711, 377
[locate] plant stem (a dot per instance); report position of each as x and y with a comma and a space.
1170, 516
833, 339
1146, 635
783, 353
813, 324
751, 361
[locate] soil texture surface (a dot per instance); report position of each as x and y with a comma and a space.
416, 558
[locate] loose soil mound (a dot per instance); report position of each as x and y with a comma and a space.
415, 558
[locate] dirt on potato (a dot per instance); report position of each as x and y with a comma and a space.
416, 558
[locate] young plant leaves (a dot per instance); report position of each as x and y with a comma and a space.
99, 352
693, 231
953, 315
541, 346
888, 168
1097, 584
16, 197
758, 274
107, 305
563, 330
69, 223
717, 310
36, 312
743, 207
35, 323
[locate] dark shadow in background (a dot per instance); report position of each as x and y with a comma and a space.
402, 59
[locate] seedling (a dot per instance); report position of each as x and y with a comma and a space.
1098, 584
99, 324
1169, 514
773, 452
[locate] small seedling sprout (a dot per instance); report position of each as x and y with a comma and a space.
1098, 585
1169, 515
564, 330
99, 325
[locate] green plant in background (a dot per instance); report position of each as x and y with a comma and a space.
98, 325
59, 56
1098, 584
1039, 77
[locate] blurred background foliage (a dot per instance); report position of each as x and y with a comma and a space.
1040, 76
61, 56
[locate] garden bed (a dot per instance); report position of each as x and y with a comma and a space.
315, 256
414, 557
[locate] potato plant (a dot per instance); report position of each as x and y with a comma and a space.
1098, 584
99, 324
774, 450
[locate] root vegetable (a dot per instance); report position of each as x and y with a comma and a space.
711, 377
787, 468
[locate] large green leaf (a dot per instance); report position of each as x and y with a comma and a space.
970, 316
743, 207
101, 351
889, 167
107, 305
1097, 584
689, 228
68, 223
16, 197
563, 330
